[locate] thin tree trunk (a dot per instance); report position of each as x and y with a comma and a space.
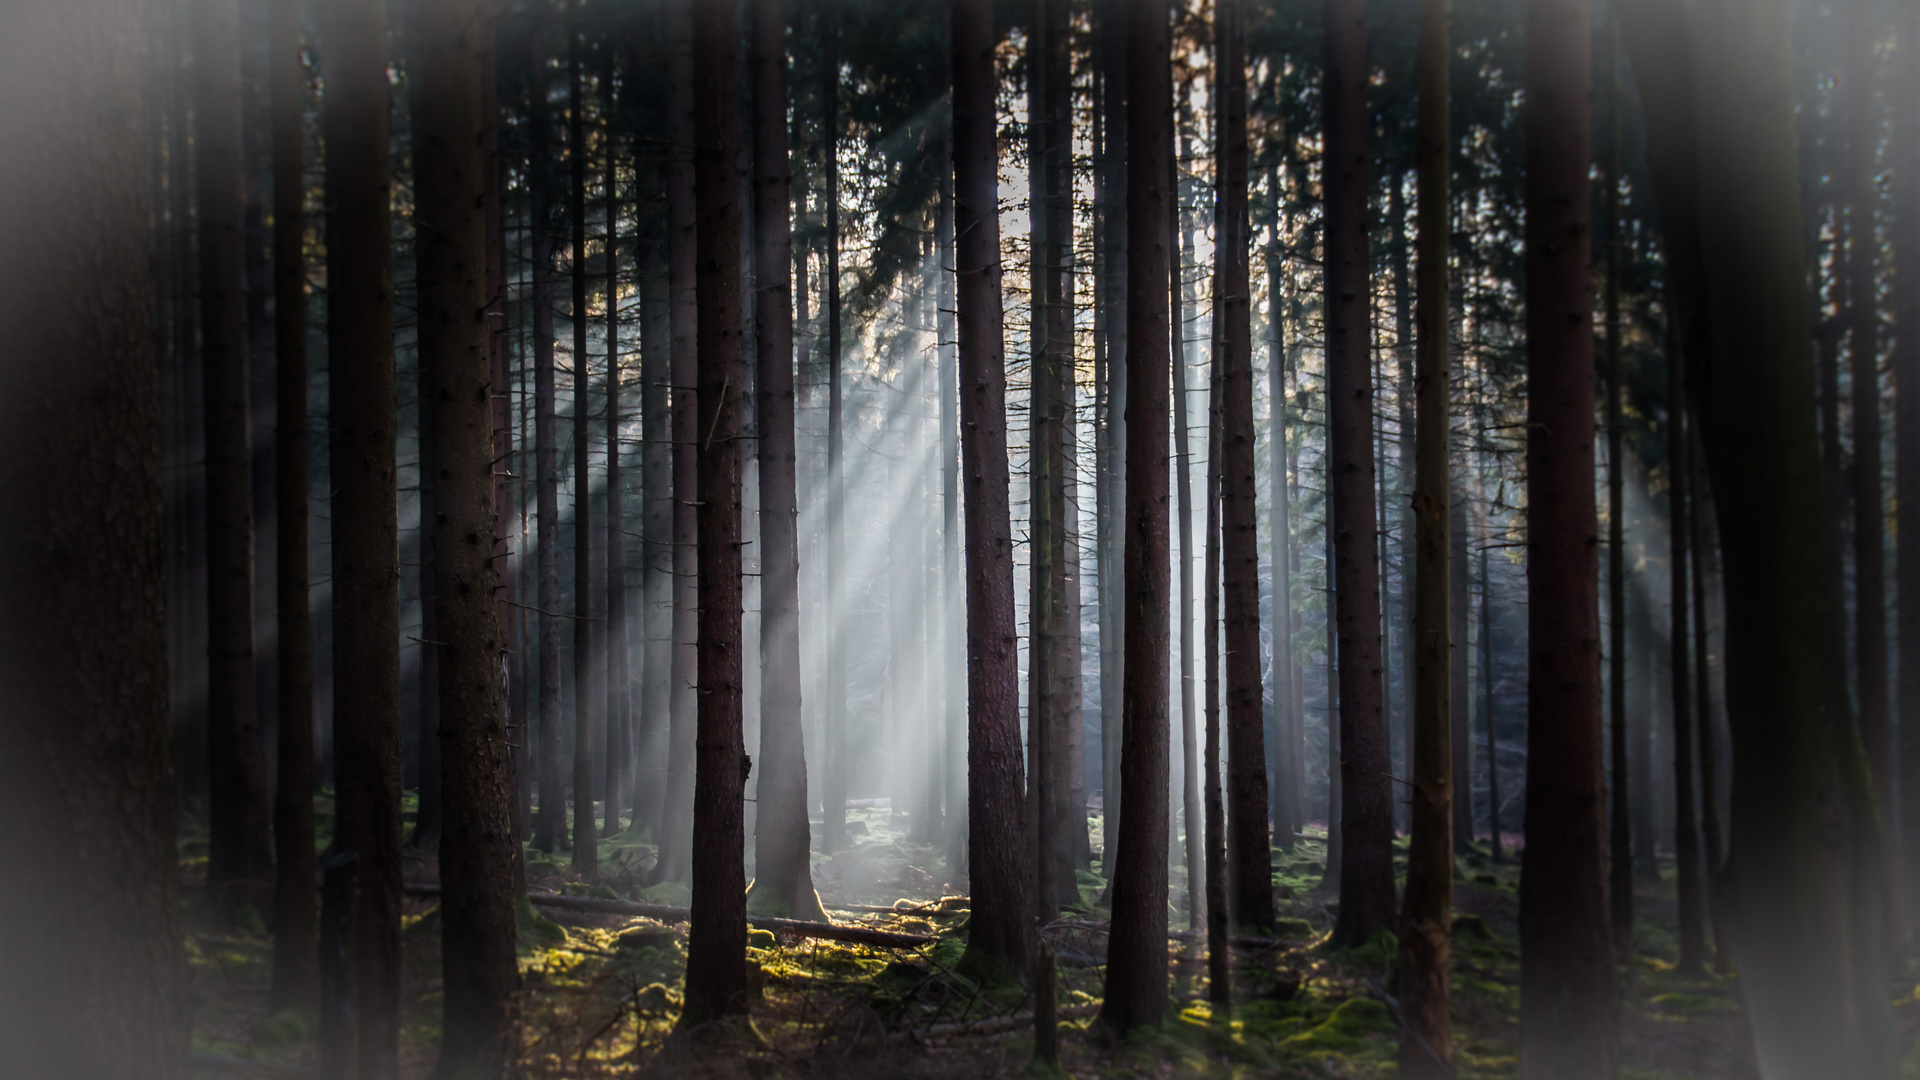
1366, 816
677, 830
95, 988
656, 407
240, 851
1620, 832
717, 939
1640, 679
1136, 984
1400, 721
1697, 508
1426, 914
1486, 705
618, 680
1219, 955
296, 970
1179, 248
1460, 625
1249, 862
1686, 821
1330, 876
586, 706
952, 659
366, 601
1569, 1025
1282, 749
550, 824
1112, 531
1906, 367
426, 673
477, 846
1001, 930
833, 832
783, 882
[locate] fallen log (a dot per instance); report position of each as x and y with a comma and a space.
857, 935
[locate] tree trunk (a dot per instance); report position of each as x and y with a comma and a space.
1460, 624
783, 883
1486, 704
1219, 955
296, 971
366, 601
426, 673
1697, 509
1249, 862
1366, 816
1906, 367
833, 832
586, 706
1620, 831
656, 407
617, 767
1282, 749
1569, 1025
1136, 985
550, 824
1640, 679
677, 832
240, 852
951, 643
1180, 245
1400, 621
1426, 914
1686, 820
1001, 930
1112, 530
477, 846
1330, 875
94, 979
717, 939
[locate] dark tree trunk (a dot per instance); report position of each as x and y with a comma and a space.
1486, 705
1330, 877
618, 680
1180, 245
1686, 819
783, 881
656, 407
1366, 815
1283, 793
1640, 679
1620, 830
586, 690
952, 644
240, 851
1460, 623
1398, 610
1426, 914
1219, 954
1906, 367
1249, 859
1112, 533
477, 845
833, 832
1001, 930
677, 833
1569, 1025
1136, 986
426, 674
1697, 508
550, 824
366, 572
94, 982
717, 938
296, 971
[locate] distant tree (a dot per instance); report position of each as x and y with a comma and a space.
587, 692
1366, 817
477, 845
1686, 836
240, 851
1001, 929
717, 937
616, 648
1218, 921
425, 683
1136, 986
1111, 284
1426, 913
296, 970
1620, 831
93, 982
550, 824
366, 572
833, 830
783, 879
1569, 1026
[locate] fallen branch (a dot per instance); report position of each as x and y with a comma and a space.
665, 913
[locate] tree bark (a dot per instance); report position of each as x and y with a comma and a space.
1906, 367
1620, 830
833, 832
1486, 705
1697, 509
618, 766
1249, 862
477, 846
1283, 749
296, 970
550, 823
1426, 914
783, 882
1001, 930
92, 980
1136, 985
1180, 244
366, 572
1219, 954
586, 706
1686, 845
1366, 815
1112, 531
656, 406
240, 852
425, 686
1569, 1026
717, 940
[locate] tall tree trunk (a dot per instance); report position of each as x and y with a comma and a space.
617, 649
1136, 985
1001, 930
1330, 876
833, 832
952, 658
1803, 882
656, 407
1460, 624
717, 938
1906, 368
1249, 862
1366, 816
366, 572
677, 832
1426, 914
1640, 679
1180, 245
240, 851
296, 971
783, 883
94, 979
477, 845
426, 673
1569, 1026
1697, 508
1620, 829
1112, 529
586, 706
1869, 525
550, 825
1486, 705
1686, 819
1400, 722
1283, 793
1219, 955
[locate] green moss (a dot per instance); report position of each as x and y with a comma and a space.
1356, 1026
1681, 1001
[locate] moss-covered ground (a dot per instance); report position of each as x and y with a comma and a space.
602, 993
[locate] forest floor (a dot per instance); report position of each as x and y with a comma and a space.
602, 991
